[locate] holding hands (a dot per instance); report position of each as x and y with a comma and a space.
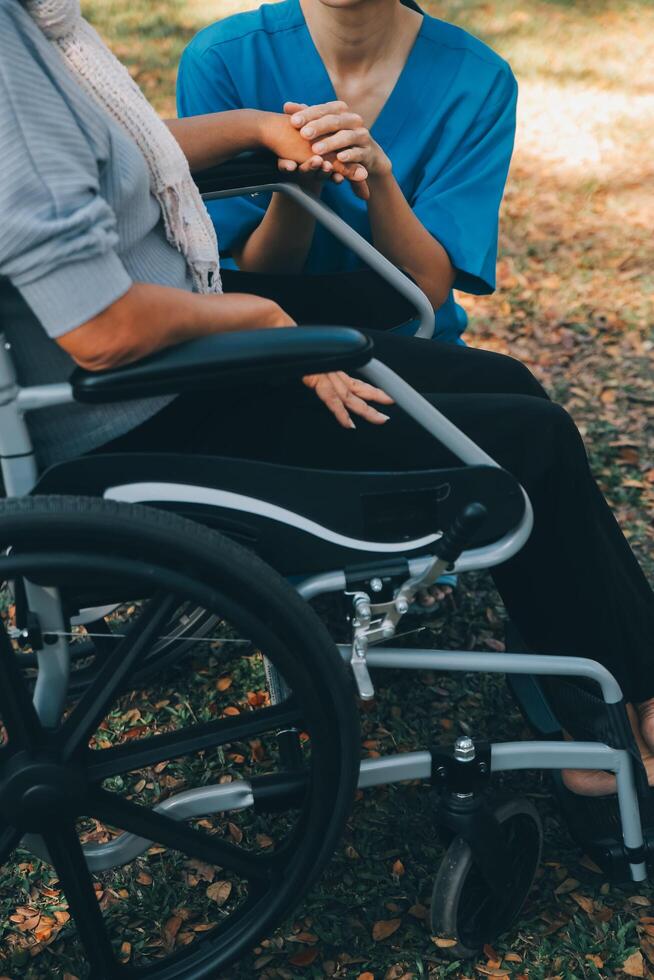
341, 146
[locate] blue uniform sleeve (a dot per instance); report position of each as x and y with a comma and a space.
204, 85
460, 203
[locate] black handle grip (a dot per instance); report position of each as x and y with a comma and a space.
460, 534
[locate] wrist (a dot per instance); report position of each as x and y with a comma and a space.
382, 169
381, 173
267, 127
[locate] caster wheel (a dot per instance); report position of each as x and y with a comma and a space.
463, 907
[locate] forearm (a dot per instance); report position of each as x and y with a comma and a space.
149, 318
403, 239
281, 242
209, 140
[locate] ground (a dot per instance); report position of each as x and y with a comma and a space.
576, 302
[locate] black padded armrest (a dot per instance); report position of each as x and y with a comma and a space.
245, 170
228, 359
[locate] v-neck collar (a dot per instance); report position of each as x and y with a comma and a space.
394, 111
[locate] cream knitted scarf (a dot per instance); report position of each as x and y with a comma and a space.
188, 226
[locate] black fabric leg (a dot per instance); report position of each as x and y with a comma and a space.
606, 609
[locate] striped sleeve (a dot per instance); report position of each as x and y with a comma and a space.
57, 233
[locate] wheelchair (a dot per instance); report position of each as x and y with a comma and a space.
230, 790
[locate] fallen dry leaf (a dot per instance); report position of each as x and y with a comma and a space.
634, 965
305, 957
385, 928
219, 891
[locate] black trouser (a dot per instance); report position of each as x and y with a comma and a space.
575, 588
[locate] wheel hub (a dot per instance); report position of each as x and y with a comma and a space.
38, 792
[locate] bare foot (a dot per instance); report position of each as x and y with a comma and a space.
589, 782
597, 782
646, 722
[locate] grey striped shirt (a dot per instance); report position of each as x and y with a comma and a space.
78, 225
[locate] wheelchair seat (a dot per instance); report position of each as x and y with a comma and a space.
302, 521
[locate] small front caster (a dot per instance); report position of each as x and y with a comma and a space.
464, 906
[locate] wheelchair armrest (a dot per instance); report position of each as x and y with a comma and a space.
244, 170
227, 359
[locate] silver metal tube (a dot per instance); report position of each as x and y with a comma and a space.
394, 769
54, 659
319, 584
121, 850
496, 663
43, 396
354, 241
507, 756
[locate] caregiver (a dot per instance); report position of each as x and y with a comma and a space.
426, 108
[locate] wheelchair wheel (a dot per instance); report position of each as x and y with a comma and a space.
463, 907
177, 835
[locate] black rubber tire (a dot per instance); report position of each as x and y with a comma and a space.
240, 580
459, 887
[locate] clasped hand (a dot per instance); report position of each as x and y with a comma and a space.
338, 144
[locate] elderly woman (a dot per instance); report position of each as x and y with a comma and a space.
107, 255
425, 108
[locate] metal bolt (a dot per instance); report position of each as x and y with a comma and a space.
402, 606
464, 749
441, 772
483, 768
360, 647
362, 608
376, 584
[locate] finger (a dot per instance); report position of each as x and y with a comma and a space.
369, 392
357, 405
353, 154
338, 178
340, 140
334, 403
287, 165
308, 114
331, 123
292, 107
311, 165
360, 189
351, 171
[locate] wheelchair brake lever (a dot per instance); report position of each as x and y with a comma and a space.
361, 624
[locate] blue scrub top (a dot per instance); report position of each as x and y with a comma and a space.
448, 127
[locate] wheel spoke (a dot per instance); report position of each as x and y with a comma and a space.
16, 709
90, 711
67, 857
177, 836
103, 763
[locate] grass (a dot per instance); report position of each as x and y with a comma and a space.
576, 302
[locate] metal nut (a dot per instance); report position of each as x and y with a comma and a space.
376, 584
464, 749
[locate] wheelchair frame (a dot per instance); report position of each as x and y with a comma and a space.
374, 622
